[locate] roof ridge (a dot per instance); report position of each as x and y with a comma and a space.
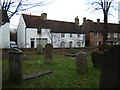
61, 21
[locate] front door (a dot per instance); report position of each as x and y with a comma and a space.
32, 44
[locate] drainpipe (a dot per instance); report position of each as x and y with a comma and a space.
25, 37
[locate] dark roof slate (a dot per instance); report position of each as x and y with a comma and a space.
55, 26
99, 27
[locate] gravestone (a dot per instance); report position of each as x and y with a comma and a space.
15, 66
81, 63
110, 68
48, 53
40, 49
96, 58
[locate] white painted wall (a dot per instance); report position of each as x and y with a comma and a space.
32, 33
57, 39
5, 36
21, 33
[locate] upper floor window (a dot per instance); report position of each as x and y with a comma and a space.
62, 35
70, 35
79, 35
39, 31
108, 35
96, 34
115, 35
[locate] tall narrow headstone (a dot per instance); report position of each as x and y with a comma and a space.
81, 63
110, 68
15, 66
96, 58
40, 49
48, 53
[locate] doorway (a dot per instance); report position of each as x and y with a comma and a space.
32, 44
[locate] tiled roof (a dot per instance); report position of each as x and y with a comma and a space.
55, 26
32, 21
98, 27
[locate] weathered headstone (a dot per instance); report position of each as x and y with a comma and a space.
40, 49
15, 66
48, 53
96, 58
110, 68
81, 63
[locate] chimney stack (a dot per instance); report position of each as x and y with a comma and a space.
44, 15
77, 20
98, 20
84, 19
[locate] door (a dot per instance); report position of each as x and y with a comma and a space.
32, 44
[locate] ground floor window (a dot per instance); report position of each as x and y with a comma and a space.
42, 41
62, 44
79, 43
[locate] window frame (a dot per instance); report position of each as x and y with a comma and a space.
62, 35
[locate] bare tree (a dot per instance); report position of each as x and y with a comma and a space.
11, 7
105, 6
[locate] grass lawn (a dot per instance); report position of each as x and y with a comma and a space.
64, 73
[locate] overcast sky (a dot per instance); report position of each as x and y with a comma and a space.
67, 10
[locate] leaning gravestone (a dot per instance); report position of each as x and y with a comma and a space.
48, 53
15, 66
39, 49
110, 68
81, 63
96, 58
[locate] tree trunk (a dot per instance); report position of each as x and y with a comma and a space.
104, 33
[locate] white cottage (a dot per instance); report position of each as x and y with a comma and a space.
34, 30
4, 32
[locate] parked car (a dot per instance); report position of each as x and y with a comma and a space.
13, 44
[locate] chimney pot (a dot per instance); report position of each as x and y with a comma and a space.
77, 20
84, 19
44, 15
98, 20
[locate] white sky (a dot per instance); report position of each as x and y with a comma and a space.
67, 10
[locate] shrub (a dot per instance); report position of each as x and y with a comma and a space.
103, 47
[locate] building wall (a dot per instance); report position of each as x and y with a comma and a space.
26, 37
32, 35
57, 40
21, 33
5, 36
99, 38
54, 38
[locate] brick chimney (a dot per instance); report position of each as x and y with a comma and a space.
44, 15
77, 20
98, 20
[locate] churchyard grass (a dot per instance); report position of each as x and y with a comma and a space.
64, 73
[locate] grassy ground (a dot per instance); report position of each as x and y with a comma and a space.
64, 73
